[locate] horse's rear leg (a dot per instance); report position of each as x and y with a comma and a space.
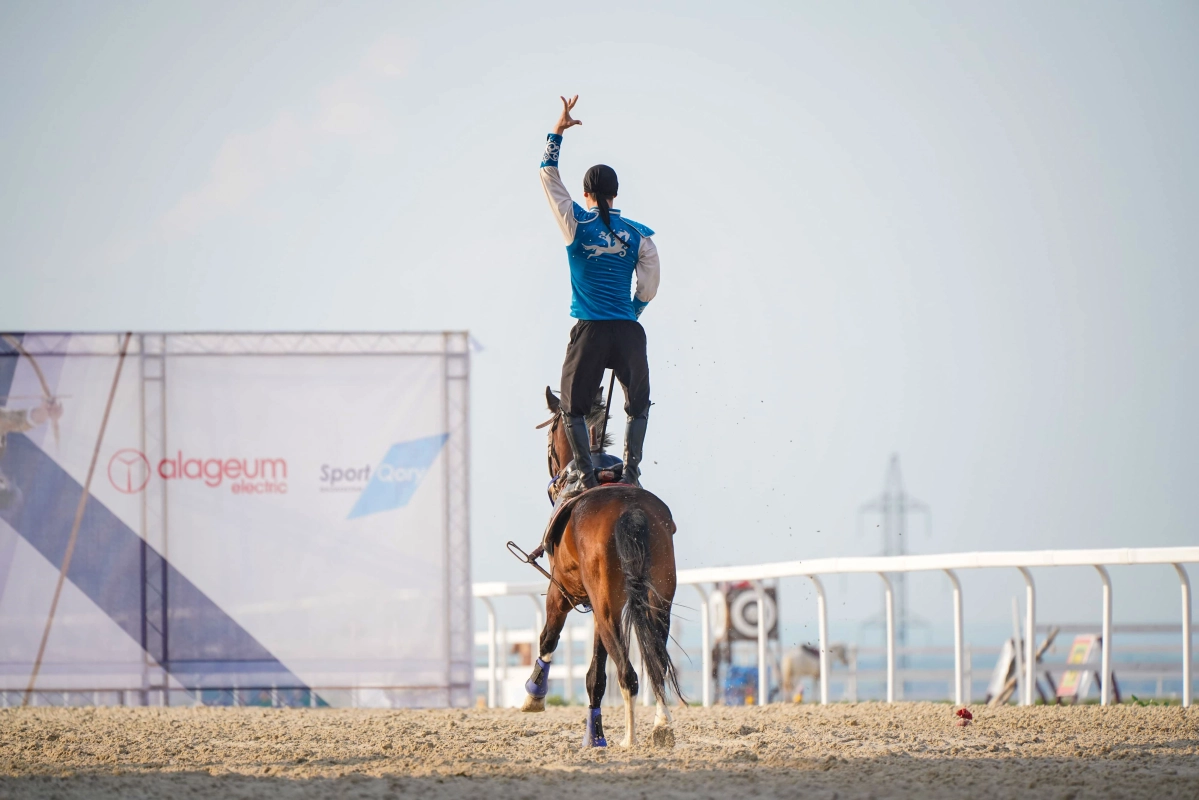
538, 684
606, 627
597, 682
630, 720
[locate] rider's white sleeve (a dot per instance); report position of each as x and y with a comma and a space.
647, 270
555, 191
560, 202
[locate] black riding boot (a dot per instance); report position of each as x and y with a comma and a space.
634, 440
582, 472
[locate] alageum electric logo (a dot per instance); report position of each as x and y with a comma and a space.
392, 483
129, 472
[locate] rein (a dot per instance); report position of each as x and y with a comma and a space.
559, 471
521, 555
552, 458
608, 409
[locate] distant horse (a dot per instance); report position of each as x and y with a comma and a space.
805, 663
611, 548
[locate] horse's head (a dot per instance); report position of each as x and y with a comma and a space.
558, 453
839, 652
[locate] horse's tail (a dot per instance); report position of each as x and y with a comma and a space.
646, 612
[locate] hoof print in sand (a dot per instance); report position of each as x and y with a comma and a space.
661, 737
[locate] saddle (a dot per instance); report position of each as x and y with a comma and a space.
608, 468
608, 471
561, 516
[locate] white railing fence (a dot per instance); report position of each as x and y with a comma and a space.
1140, 664
950, 564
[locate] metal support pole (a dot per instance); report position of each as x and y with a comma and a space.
1030, 636
1018, 650
889, 599
822, 629
491, 648
763, 675
1186, 634
1105, 690
505, 653
852, 683
705, 637
958, 659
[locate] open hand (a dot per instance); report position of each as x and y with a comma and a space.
566, 121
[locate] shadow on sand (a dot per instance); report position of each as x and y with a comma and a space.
1160, 778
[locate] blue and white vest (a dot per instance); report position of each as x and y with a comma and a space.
602, 262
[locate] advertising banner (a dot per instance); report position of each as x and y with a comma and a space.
269, 518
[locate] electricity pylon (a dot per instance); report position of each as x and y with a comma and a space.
893, 507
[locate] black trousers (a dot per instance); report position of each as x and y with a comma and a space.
599, 344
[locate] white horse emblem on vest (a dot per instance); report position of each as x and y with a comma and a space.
612, 244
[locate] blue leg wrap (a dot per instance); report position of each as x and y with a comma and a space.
539, 683
595, 730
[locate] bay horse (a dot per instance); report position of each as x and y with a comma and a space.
611, 548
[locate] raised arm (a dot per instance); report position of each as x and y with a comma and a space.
565, 209
647, 274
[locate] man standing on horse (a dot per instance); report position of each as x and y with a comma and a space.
605, 251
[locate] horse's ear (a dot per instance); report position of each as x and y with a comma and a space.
552, 400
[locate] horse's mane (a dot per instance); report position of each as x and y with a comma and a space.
596, 417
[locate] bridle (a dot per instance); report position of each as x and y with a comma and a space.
556, 467
559, 472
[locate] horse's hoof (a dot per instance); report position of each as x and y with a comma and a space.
538, 684
594, 735
661, 736
533, 703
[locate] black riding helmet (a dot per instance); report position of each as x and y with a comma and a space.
601, 181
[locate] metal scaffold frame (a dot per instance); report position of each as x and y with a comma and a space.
152, 354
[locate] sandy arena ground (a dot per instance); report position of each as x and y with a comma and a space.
841, 751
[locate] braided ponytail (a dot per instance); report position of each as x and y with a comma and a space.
604, 202
601, 183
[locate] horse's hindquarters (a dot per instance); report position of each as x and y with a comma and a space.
618, 546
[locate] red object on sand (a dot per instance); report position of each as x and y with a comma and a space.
964, 713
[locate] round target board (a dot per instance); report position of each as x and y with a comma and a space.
743, 614
735, 612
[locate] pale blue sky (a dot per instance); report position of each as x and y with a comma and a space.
964, 232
